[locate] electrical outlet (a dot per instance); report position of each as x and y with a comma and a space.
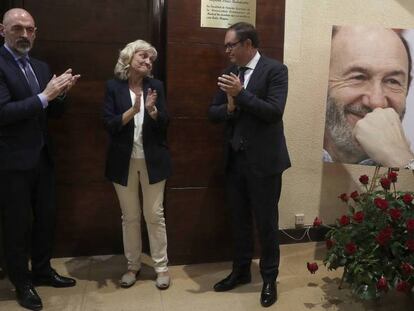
299, 220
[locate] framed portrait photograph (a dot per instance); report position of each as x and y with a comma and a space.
369, 105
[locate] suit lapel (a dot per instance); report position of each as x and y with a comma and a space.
42, 80
40, 76
13, 66
126, 102
245, 124
254, 78
145, 86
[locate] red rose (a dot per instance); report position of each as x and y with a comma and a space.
407, 198
350, 248
344, 220
385, 183
392, 176
406, 268
329, 243
384, 236
344, 197
403, 286
317, 222
410, 224
359, 217
381, 203
312, 267
395, 213
410, 245
364, 179
355, 196
382, 284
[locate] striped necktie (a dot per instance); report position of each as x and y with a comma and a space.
30, 77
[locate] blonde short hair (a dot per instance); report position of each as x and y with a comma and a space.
121, 70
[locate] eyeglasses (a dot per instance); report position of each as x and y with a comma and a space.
231, 46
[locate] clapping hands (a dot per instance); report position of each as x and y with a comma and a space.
60, 84
150, 104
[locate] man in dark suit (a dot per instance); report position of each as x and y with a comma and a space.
28, 95
251, 101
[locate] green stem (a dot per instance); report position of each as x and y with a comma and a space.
395, 190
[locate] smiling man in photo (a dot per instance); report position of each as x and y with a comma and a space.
369, 78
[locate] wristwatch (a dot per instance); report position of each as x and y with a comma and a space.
410, 165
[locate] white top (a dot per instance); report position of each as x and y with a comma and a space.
138, 148
251, 66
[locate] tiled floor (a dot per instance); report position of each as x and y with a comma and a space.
98, 288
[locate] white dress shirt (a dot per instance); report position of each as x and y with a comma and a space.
138, 148
251, 66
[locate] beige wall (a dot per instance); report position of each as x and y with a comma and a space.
311, 187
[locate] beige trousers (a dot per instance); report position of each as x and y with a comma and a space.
153, 196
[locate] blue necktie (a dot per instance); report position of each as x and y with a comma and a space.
30, 77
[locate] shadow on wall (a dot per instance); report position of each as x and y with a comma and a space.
407, 4
336, 179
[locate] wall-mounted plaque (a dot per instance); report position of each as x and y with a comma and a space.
224, 13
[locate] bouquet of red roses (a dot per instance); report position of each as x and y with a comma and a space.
374, 240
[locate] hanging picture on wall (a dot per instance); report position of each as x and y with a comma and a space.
370, 100
224, 13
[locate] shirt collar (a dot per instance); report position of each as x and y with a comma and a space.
15, 55
253, 62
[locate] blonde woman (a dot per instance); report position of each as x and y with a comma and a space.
135, 116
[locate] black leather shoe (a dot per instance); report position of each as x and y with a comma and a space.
231, 281
269, 294
53, 279
28, 297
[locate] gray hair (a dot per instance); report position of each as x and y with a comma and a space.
121, 70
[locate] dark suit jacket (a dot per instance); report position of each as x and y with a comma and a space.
154, 133
23, 121
259, 115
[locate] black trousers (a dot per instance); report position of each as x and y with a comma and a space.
251, 196
28, 210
